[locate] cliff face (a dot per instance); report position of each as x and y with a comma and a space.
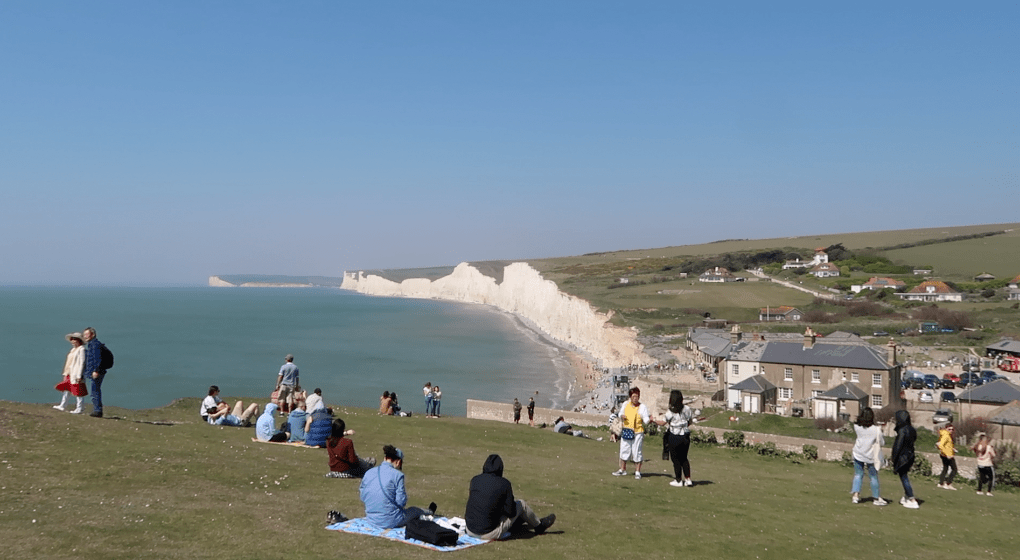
216, 282
526, 294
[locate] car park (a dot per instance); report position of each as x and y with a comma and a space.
916, 383
932, 381
947, 384
942, 415
988, 374
925, 397
947, 396
951, 376
970, 378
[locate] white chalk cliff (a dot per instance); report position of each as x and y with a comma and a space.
525, 293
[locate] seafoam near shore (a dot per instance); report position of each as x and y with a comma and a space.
568, 321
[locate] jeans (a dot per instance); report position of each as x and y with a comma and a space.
907, 490
97, 393
435, 407
859, 477
428, 405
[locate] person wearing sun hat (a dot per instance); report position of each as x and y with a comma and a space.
74, 366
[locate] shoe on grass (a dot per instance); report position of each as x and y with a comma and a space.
855, 499
911, 504
545, 523
688, 482
620, 472
637, 476
880, 502
676, 483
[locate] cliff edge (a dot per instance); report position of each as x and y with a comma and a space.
523, 292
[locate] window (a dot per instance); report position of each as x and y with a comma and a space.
855, 377
815, 394
785, 393
816, 376
843, 375
736, 370
876, 380
788, 374
876, 401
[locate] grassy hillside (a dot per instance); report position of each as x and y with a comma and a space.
76, 487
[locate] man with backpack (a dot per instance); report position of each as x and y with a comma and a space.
97, 360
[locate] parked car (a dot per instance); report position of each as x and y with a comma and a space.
951, 376
881, 333
942, 415
932, 381
970, 378
925, 397
916, 383
905, 384
988, 374
947, 384
947, 396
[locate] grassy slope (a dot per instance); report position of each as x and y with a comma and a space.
85, 488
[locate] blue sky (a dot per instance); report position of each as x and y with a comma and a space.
162, 142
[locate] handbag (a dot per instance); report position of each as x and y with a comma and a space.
627, 433
430, 532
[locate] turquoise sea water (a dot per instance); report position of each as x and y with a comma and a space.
175, 342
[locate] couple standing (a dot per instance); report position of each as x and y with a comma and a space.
84, 361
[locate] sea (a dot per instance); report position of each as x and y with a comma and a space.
175, 342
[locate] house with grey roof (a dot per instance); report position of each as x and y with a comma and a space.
805, 369
755, 394
1004, 422
982, 400
844, 401
1004, 347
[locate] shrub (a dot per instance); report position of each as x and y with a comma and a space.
847, 460
811, 452
734, 439
969, 428
1007, 463
828, 424
703, 437
768, 449
922, 466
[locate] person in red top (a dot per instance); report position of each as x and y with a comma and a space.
343, 461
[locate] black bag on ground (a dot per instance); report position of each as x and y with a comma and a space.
430, 532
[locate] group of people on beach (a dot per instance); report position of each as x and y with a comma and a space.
87, 361
867, 456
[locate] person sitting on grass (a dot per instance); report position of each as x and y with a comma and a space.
238, 417
491, 508
561, 427
343, 461
382, 492
296, 422
265, 428
318, 427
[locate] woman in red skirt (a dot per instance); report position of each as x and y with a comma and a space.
74, 382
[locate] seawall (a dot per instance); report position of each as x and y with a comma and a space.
566, 319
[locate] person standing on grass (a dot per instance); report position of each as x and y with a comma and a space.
517, 412
903, 456
286, 383
634, 417
985, 461
947, 452
427, 391
437, 401
866, 450
531, 412
74, 379
94, 369
678, 437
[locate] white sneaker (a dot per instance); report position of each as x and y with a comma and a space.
980, 492
620, 472
880, 502
687, 482
903, 501
58, 407
676, 483
637, 476
76, 411
988, 493
911, 504
855, 500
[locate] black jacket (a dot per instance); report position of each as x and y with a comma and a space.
490, 498
903, 446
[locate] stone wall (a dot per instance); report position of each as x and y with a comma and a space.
504, 412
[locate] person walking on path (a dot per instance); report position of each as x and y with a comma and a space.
986, 463
903, 456
286, 383
678, 437
427, 391
74, 367
94, 369
866, 453
531, 412
947, 452
517, 412
634, 417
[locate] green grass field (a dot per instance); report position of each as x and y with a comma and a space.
77, 487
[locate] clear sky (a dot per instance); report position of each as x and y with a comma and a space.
147, 142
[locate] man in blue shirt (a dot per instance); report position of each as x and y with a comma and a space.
382, 491
287, 383
93, 369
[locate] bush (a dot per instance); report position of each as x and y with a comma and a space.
768, 449
921, 466
1007, 463
811, 452
828, 424
970, 427
703, 437
734, 439
847, 460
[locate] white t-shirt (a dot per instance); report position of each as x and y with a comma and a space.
864, 447
679, 422
207, 403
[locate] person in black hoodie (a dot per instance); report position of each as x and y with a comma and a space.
491, 507
903, 456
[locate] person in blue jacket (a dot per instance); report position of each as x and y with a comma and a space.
382, 491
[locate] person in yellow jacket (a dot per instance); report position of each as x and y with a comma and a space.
947, 452
634, 417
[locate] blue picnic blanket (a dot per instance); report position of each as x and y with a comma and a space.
361, 527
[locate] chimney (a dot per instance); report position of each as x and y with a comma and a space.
891, 356
809, 339
735, 335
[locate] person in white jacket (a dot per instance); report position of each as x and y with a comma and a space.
74, 381
867, 453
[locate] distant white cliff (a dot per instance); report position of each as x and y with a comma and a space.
525, 293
